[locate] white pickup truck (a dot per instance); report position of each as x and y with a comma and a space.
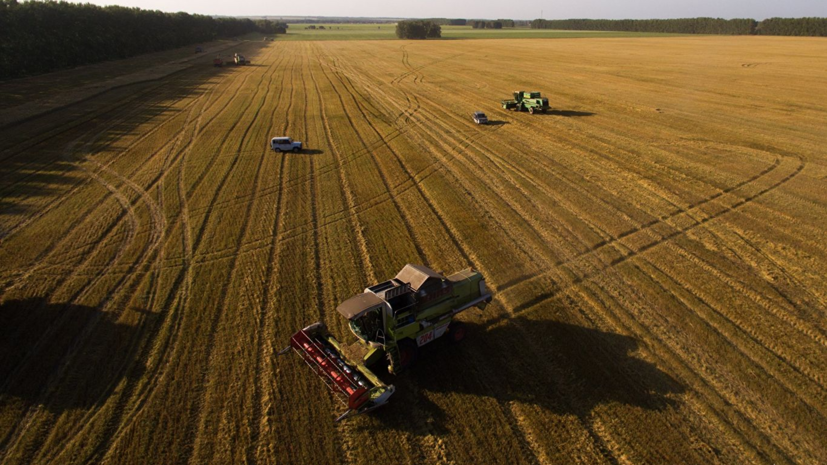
285, 144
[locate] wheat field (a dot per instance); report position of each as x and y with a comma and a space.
655, 244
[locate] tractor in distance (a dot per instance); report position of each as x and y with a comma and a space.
531, 101
218, 61
391, 321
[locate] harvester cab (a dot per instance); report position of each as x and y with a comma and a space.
390, 320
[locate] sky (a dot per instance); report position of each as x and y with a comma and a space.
491, 9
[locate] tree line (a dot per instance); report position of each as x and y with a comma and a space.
772, 26
42, 36
418, 29
793, 27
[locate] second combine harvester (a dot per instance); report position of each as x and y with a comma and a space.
531, 101
391, 320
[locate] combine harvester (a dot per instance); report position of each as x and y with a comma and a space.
531, 101
239, 60
391, 321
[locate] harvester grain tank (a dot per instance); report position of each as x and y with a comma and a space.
391, 321
531, 101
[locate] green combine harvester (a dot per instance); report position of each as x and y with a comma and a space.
531, 101
391, 321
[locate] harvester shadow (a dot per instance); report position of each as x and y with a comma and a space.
565, 369
569, 113
66, 356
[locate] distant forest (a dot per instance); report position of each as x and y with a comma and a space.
38, 37
772, 26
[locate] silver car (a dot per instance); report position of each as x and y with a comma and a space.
285, 144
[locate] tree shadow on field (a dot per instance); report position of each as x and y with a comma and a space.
562, 368
39, 156
65, 356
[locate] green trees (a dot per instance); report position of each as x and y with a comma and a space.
37, 37
498, 24
265, 26
682, 26
793, 27
418, 29
772, 26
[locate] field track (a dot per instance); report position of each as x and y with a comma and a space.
656, 246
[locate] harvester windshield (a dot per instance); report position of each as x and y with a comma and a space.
365, 314
368, 326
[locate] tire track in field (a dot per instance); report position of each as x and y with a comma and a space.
739, 337
765, 341
176, 300
83, 183
155, 215
115, 418
73, 123
417, 184
75, 187
43, 256
675, 233
413, 102
25, 424
680, 211
560, 289
406, 220
347, 446
262, 398
724, 403
519, 431
196, 422
759, 175
415, 70
157, 227
345, 186
89, 213
660, 195
441, 453
539, 225
709, 401
443, 162
134, 265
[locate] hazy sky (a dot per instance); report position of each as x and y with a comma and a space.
492, 9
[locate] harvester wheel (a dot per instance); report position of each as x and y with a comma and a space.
531, 110
407, 354
457, 331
